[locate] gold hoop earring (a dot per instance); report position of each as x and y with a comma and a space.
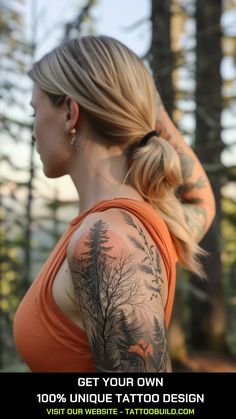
73, 140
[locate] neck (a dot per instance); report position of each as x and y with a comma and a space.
116, 191
97, 179
100, 172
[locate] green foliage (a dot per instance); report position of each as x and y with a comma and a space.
228, 232
229, 267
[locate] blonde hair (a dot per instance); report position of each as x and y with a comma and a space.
117, 94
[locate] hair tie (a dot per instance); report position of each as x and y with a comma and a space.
147, 136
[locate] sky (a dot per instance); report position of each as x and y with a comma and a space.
44, 21
111, 17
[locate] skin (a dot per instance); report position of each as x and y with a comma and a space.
122, 307
117, 280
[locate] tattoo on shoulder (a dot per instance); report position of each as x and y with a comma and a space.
151, 262
111, 301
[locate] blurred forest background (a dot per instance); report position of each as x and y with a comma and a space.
192, 54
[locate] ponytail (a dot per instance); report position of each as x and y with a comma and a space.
156, 173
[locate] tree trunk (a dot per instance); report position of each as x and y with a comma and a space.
161, 55
162, 61
207, 314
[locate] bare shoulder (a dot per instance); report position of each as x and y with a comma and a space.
120, 234
119, 285
120, 288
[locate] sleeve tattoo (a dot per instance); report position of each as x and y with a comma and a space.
118, 289
195, 193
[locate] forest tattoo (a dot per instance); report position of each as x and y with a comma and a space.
112, 299
150, 264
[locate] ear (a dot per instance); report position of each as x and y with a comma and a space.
72, 114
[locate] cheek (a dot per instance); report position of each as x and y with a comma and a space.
52, 145
41, 128
48, 129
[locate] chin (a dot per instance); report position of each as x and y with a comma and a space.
53, 173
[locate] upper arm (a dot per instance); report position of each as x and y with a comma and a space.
119, 284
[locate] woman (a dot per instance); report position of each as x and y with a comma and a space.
103, 298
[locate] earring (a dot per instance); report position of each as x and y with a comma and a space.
73, 139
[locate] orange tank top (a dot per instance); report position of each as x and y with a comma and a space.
45, 337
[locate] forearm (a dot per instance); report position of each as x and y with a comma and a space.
195, 193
